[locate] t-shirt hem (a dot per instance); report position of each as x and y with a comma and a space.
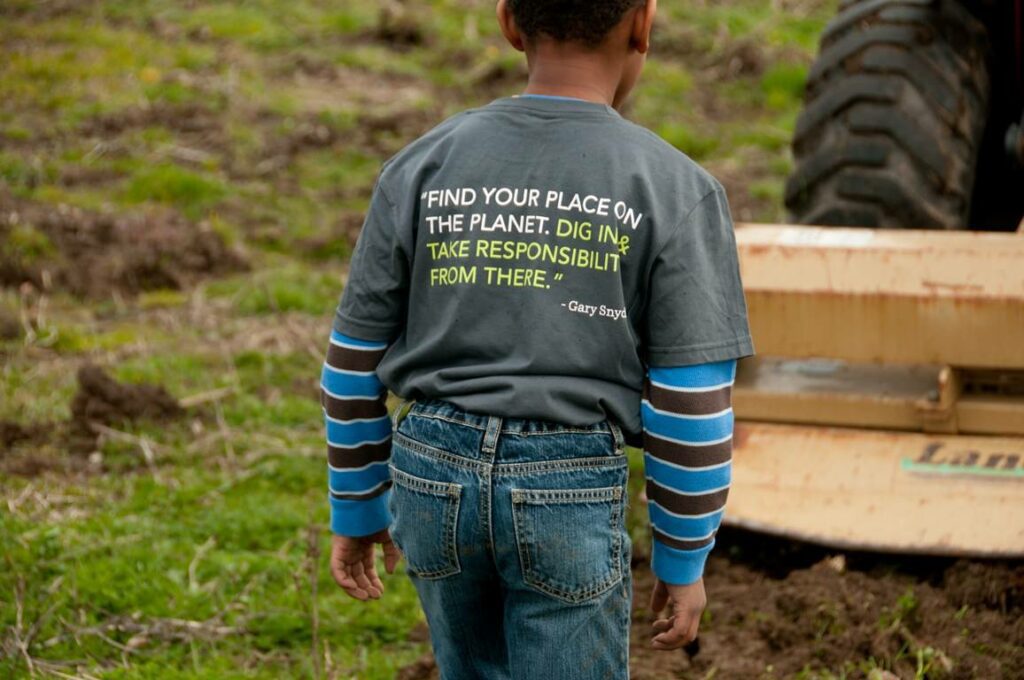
736, 348
362, 330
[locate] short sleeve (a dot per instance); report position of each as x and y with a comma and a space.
373, 302
696, 311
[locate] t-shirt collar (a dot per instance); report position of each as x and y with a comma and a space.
554, 104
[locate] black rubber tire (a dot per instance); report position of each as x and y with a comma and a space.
894, 113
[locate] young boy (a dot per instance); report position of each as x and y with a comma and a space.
549, 283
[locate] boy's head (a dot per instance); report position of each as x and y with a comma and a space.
616, 32
585, 22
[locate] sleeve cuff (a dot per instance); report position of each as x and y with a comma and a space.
678, 567
363, 330
738, 348
360, 518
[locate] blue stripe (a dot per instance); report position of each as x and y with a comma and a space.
359, 518
357, 432
696, 430
678, 567
348, 339
686, 528
696, 376
350, 385
355, 481
686, 481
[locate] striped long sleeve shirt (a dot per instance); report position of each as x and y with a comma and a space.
687, 439
688, 424
358, 435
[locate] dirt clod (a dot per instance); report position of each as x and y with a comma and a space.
92, 254
10, 327
101, 399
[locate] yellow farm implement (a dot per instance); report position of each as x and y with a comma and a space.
885, 408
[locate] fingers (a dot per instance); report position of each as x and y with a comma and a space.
659, 596
340, 572
348, 568
370, 568
676, 631
358, 571
391, 555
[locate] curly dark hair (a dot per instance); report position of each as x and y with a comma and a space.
583, 21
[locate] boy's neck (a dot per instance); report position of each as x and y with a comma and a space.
567, 71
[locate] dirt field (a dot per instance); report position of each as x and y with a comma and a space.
782, 609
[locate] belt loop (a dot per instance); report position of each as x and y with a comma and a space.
397, 416
491, 435
617, 437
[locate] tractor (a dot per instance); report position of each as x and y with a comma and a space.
885, 408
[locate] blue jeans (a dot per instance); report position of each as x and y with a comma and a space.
513, 533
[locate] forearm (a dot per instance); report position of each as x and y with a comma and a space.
687, 433
358, 435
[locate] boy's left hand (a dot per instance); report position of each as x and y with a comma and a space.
353, 563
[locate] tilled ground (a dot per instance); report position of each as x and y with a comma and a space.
780, 609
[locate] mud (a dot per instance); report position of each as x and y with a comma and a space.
398, 27
12, 433
189, 118
10, 326
101, 399
97, 253
24, 451
781, 609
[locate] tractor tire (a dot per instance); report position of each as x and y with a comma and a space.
894, 114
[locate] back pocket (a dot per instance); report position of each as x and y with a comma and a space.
425, 516
569, 540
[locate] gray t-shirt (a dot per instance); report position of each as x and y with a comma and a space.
527, 258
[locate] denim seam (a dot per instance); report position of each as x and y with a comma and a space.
505, 430
566, 464
566, 430
452, 493
450, 419
434, 452
587, 594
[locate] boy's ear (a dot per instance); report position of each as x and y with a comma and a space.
508, 26
643, 22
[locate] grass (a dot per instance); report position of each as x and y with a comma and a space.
199, 562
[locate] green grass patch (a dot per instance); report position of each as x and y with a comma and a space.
290, 288
193, 193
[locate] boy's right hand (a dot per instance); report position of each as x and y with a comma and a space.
687, 604
353, 563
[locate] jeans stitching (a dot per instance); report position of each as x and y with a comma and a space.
406, 441
432, 451
504, 430
450, 419
520, 496
452, 493
559, 465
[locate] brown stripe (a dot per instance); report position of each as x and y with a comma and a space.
685, 455
353, 359
347, 409
359, 455
690, 403
682, 504
682, 545
363, 496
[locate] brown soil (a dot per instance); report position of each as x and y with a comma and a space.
777, 608
101, 399
23, 450
10, 326
12, 433
97, 253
